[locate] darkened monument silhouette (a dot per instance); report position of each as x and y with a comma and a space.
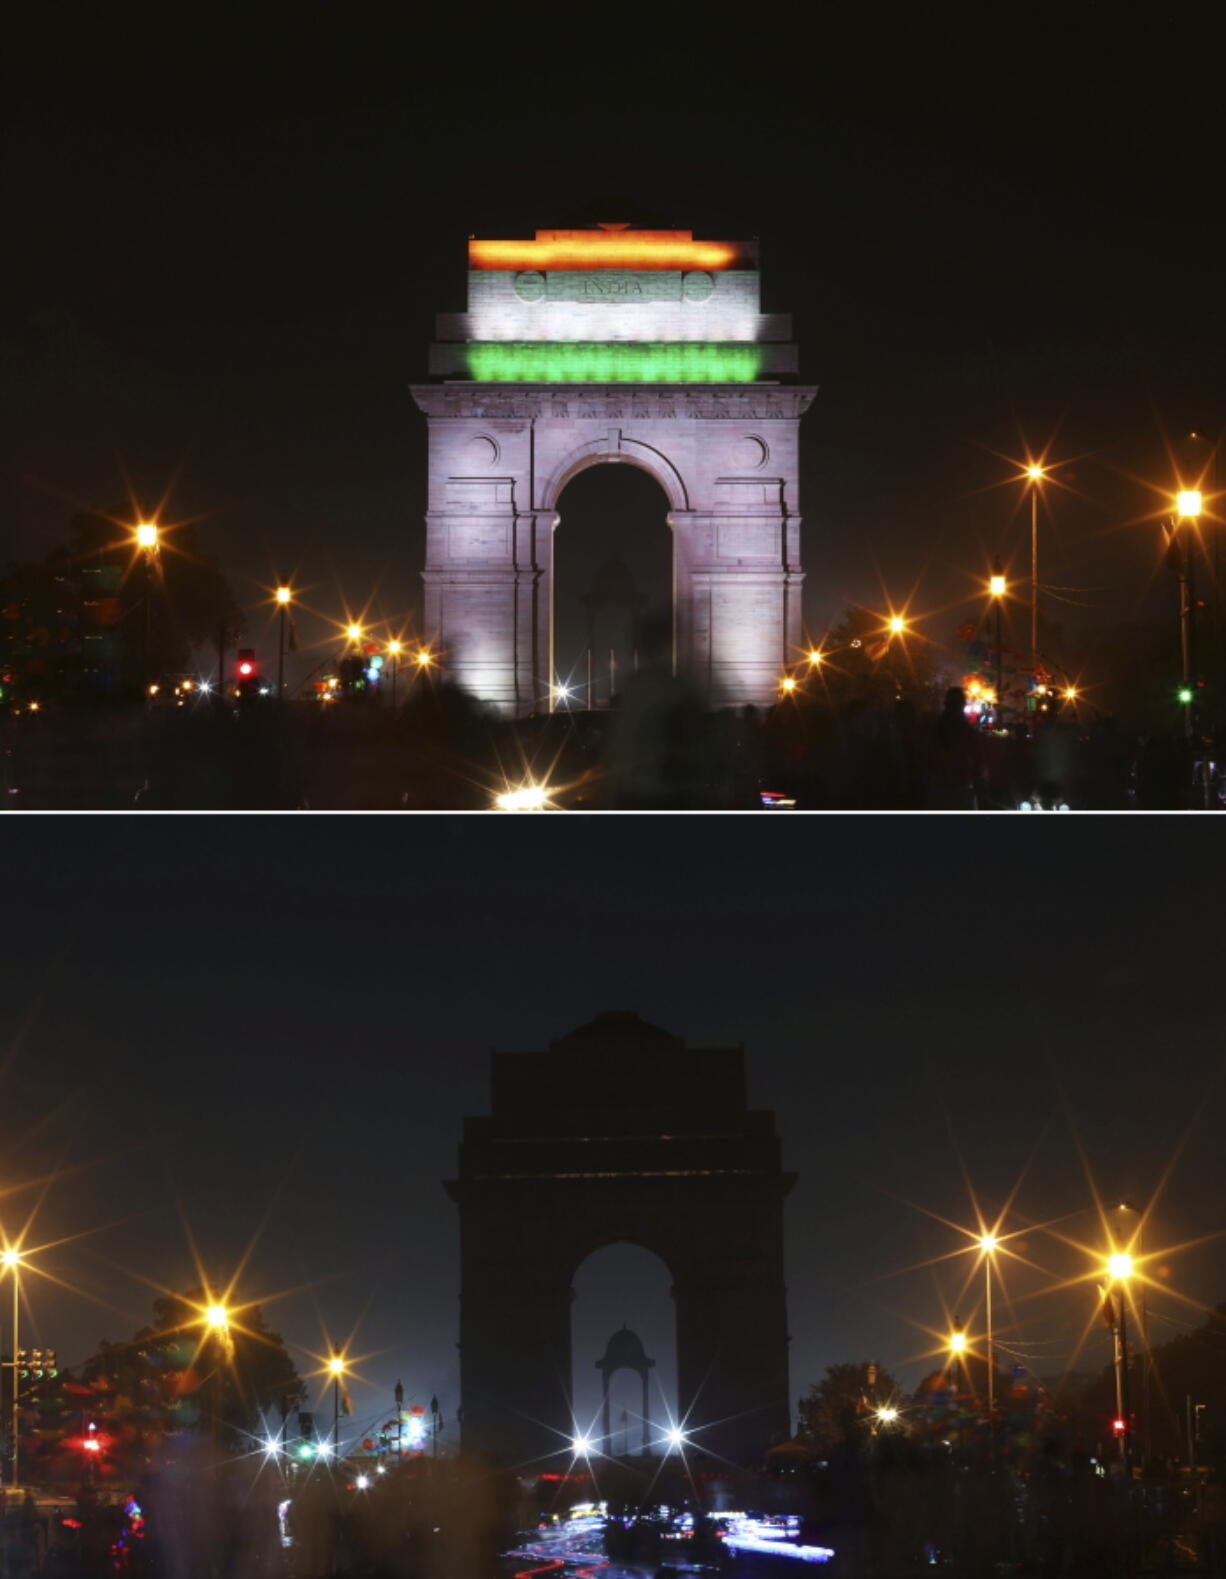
619, 1132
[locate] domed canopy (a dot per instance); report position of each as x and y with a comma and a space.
625, 1350
621, 1025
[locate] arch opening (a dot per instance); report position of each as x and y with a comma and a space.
612, 579
623, 1286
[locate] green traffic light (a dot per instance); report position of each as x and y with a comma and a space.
1185, 695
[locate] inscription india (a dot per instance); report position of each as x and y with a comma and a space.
630, 285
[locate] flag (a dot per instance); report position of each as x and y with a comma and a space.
292, 644
346, 1401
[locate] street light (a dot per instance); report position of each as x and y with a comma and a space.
146, 534
12, 1262
1119, 1268
787, 684
887, 1414
987, 1244
957, 1342
394, 649
997, 587
284, 597
1035, 473
816, 657
336, 1366
1188, 505
897, 625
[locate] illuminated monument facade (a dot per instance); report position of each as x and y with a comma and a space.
620, 1133
613, 345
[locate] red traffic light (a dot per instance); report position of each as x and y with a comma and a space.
1119, 1427
246, 667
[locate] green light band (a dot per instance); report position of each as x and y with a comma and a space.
593, 362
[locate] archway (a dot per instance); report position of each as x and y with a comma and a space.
623, 1285
620, 1134
612, 580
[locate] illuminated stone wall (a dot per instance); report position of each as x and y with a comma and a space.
627, 347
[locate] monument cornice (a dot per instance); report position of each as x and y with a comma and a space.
619, 402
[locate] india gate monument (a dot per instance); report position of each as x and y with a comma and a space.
621, 1133
618, 345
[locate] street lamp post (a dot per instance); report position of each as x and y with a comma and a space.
394, 649
1127, 1206
12, 1260
337, 1367
1188, 503
217, 1318
997, 586
284, 595
988, 1244
1036, 474
147, 542
1119, 1269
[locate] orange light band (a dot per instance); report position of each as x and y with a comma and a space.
609, 250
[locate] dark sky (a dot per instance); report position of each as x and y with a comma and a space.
226, 1022
230, 231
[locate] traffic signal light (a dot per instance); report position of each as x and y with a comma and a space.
37, 1365
246, 663
1118, 1427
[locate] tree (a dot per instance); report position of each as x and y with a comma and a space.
867, 661
177, 1375
843, 1401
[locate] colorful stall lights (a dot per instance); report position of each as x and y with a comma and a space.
588, 362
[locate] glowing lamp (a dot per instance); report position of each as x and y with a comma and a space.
581, 1446
996, 586
676, 1437
530, 797
283, 594
988, 1242
362, 1482
354, 632
1120, 1266
147, 534
1035, 473
1119, 1427
395, 648
246, 667
897, 624
887, 1414
423, 659
11, 1258
91, 1444
787, 683
1185, 694
957, 1342
816, 657
217, 1316
1070, 693
337, 1365
1188, 502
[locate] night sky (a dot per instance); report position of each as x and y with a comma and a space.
213, 1024
229, 233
